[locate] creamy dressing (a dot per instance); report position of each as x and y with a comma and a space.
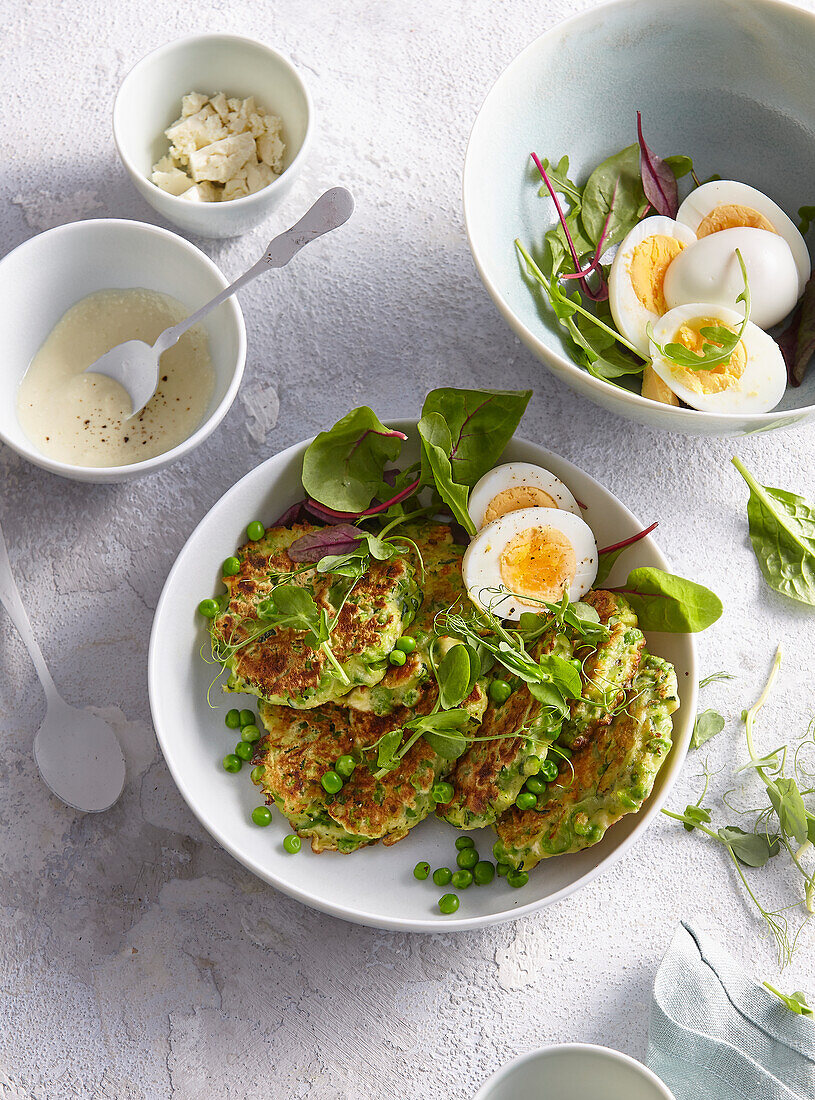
80, 418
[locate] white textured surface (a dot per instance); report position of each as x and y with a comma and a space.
138, 960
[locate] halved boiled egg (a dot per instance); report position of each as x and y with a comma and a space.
517, 485
752, 380
635, 282
533, 552
727, 204
708, 271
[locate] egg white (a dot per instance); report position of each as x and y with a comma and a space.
517, 475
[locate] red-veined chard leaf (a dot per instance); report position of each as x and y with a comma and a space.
658, 179
343, 467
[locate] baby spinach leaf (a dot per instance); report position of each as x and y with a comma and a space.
707, 725
658, 178
751, 849
613, 191
679, 164
343, 468
795, 1002
481, 423
437, 446
782, 531
662, 601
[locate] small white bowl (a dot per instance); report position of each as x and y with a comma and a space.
574, 1071
46, 275
149, 101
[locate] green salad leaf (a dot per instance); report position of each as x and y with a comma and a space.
614, 191
343, 467
481, 423
782, 531
679, 164
750, 849
437, 447
662, 601
707, 725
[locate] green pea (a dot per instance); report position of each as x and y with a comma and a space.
231, 567
517, 879
526, 800
250, 733
397, 657
332, 782
483, 872
442, 875
247, 718
549, 770
421, 871
448, 903
208, 608
498, 850
262, 815
256, 775
406, 644
464, 842
244, 750
467, 858
291, 843
442, 792
344, 765
580, 824
462, 879
499, 691
233, 719
255, 530
232, 763
503, 869
532, 765
535, 784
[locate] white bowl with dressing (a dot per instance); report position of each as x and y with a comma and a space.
48, 274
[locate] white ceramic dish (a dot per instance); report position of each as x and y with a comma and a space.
47, 274
374, 886
149, 100
727, 81
574, 1071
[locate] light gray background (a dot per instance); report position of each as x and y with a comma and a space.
136, 958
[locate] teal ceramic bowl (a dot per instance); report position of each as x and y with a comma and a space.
729, 82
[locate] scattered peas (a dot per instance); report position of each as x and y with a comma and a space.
442, 792
517, 879
535, 784
462, 879
483, 872
332, 782
421, 871
231, 567
344, 765
464, 842
448, 903
244, 750
208, 608
232, 763
255, 530
397, 657
497, 850
442, 875
291, 843
467, 858
499, 691
247, 718
250, 733
262, 815
256, 774
503, 869
406, 644
549, 770
526, 800
233, 719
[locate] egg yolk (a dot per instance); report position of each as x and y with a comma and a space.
518, 496
538, 562
723, 376
732, 215
649, 262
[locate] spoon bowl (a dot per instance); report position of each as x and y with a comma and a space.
79, 758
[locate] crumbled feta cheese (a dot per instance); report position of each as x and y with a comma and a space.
221, 148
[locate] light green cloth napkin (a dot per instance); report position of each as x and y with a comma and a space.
717, 1035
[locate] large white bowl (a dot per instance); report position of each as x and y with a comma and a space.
374, 886
47, 274
727, 81
149, 100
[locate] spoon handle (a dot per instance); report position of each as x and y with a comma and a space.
330, 211
10, 598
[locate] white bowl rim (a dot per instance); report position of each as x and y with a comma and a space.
504, 1071
245, 200
405, 924
533, 342
105, 473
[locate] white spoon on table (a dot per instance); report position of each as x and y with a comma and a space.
78, 755
135, 364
